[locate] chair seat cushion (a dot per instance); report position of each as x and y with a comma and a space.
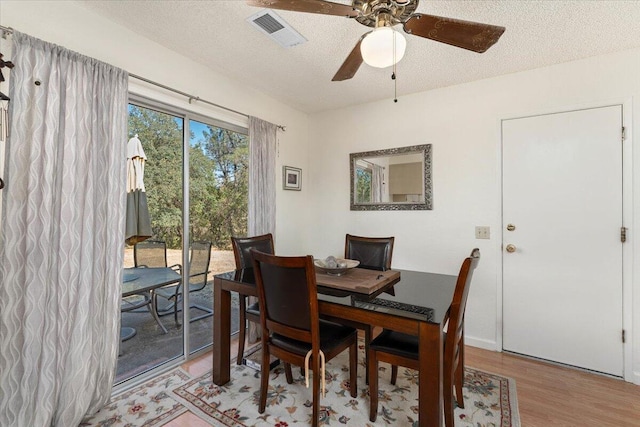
254, 309
397, 343
331, 334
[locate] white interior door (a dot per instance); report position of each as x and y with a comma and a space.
562, 193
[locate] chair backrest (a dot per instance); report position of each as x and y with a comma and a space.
455, 328
288, 296
374, 253
199, 261
150, 253
242, 246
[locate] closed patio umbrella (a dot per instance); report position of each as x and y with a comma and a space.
138, 226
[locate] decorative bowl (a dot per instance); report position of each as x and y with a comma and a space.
344, 265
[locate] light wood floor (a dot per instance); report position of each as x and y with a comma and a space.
548, 395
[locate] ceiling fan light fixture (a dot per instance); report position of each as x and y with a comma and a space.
377, 48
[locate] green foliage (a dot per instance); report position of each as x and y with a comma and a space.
363, 185
218, 179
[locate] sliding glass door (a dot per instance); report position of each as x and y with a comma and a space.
196, 165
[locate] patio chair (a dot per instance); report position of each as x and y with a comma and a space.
199, 260
152, 253
241, 247
291, 328
398, 348
149, 254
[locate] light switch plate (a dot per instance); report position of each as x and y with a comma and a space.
483, 232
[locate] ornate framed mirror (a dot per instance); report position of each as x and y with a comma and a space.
392, 179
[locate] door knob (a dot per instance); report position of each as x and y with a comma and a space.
511, 248
511, 227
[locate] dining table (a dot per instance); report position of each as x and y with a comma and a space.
144, 280
406, 301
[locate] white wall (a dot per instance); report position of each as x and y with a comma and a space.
70, 25
463, 124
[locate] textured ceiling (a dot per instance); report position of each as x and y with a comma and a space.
216, 34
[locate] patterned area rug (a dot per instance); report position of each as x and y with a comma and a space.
490, 400
147, 405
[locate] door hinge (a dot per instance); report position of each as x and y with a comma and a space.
624, 133
624, 338
623, 234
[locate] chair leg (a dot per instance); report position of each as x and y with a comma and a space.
287, 372
175, 311
353, 369
447, 390
372, 374
264, 377
315, 363
394, 374
242, 323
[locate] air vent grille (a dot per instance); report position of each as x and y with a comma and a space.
269, 23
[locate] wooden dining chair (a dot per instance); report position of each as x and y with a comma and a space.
402, 349
241, 247
374, 253
291, 328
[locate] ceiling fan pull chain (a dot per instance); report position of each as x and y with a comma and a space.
393, 73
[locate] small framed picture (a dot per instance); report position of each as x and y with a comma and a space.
291, 178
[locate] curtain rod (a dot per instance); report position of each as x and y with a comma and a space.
194, 98
9, 31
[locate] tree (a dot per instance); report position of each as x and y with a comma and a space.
218, 178
229, 152
363, 185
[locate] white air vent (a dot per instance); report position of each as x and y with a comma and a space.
269, 23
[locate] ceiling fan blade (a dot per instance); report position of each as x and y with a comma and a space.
465, 34
350, 65
311, 6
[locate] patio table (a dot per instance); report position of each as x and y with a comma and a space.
137, 281
417, 306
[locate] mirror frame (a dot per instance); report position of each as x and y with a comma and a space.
425, 149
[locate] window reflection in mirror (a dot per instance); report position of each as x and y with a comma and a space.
393, 179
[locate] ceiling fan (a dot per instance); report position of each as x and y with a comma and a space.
382, 15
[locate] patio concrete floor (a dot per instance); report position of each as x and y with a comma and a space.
150, 347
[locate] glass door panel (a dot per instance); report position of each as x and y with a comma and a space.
218, 194
145, 343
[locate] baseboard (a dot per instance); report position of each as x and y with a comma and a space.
635, 378
480, 343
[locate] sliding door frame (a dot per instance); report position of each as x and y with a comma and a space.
186, 116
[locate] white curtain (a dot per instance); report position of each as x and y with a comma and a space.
62, 235
262, 186
377, 183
